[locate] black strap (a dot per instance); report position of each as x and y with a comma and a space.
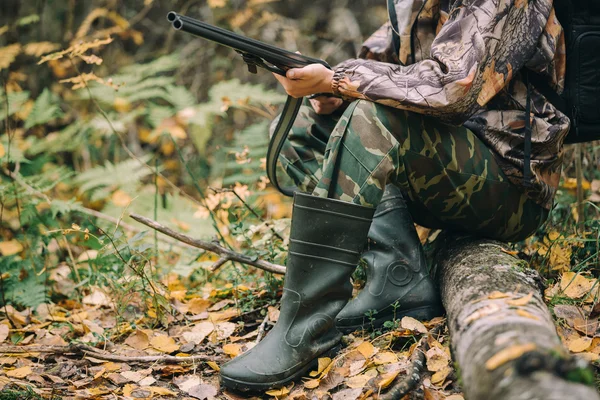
286, 121
541, 84
527, 144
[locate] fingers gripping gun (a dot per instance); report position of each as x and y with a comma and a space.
256, 54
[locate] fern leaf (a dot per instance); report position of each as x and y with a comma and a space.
45, 109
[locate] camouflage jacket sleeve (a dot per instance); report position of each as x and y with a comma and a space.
474, 55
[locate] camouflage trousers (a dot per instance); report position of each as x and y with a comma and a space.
450, 178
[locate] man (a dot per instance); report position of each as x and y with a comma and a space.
432, 128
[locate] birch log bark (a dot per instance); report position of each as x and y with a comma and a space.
502, 334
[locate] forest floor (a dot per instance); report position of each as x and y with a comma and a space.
110, 344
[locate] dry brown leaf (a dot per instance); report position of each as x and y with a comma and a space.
232, 349
224, 315
273, 313
580, 344
586, 326
164, 344
19, 372
199, 332
224, 330
347, 394
455, 397
508, 354
360, 381
521, 301
138, 340
4, 331
10, 247
437, 359
161, 391
411, 324
96, 298
366, 349
132, 376
203, 392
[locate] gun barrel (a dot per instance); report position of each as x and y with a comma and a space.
267, 52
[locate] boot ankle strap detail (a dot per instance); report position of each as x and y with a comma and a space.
348, 216
331, 260
324, 246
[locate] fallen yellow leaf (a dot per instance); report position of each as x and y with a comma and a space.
575, 285
19, 372
508, 354
278, 392
579, 345
10, 247
312, 384
323, 363
164, 343
526, 314
366, 349
385, 357
498, 295
521, 301
213, 365
232, 350
440, 376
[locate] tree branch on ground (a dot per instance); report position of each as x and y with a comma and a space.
213, 247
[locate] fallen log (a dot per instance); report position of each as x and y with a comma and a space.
502, 334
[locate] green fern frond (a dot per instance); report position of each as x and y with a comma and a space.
45, 109
125, 174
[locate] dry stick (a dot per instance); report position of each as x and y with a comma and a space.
228, 255
261, 328
415, 371
99, 354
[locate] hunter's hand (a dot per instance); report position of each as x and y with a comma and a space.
324, 105
300, 82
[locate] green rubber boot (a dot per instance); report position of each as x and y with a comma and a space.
326, 239
398, 281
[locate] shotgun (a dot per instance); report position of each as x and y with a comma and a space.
256, 54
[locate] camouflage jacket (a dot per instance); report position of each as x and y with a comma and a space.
462, 63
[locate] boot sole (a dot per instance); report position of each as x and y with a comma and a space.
245, 387
424, 313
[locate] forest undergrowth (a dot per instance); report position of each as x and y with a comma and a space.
95, 305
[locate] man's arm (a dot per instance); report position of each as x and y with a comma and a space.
476, 53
